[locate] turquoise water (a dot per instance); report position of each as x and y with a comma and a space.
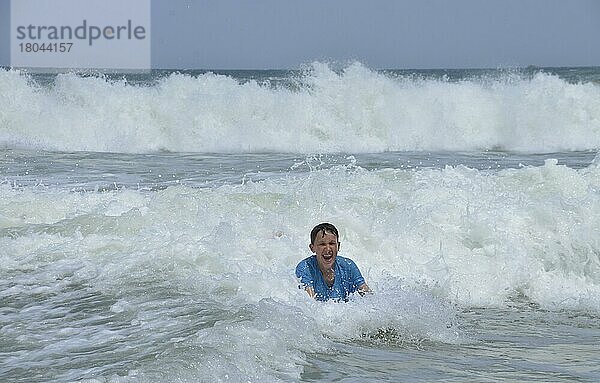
149, 229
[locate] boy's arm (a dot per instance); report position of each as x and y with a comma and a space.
303, 274
364, 289
311, 291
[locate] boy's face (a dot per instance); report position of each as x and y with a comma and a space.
326, 248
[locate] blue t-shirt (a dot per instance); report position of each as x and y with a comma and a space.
347, 278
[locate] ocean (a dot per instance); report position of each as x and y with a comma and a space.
150, 225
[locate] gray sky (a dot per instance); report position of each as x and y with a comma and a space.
234, 34
273, 34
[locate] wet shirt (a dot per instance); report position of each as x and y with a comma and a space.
347, 278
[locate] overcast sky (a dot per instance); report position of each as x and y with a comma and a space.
380, 33
272, 34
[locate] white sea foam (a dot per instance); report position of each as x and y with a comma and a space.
355, 110
475, 237
425, 240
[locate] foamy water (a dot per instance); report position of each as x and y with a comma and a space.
191, 283
450, 227
354, 110
141, 265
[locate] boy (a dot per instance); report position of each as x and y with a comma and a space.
325, 275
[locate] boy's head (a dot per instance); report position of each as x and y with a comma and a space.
324, 243
322, 229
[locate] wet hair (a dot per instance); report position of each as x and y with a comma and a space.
323, 228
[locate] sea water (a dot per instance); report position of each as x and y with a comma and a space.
150, 225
